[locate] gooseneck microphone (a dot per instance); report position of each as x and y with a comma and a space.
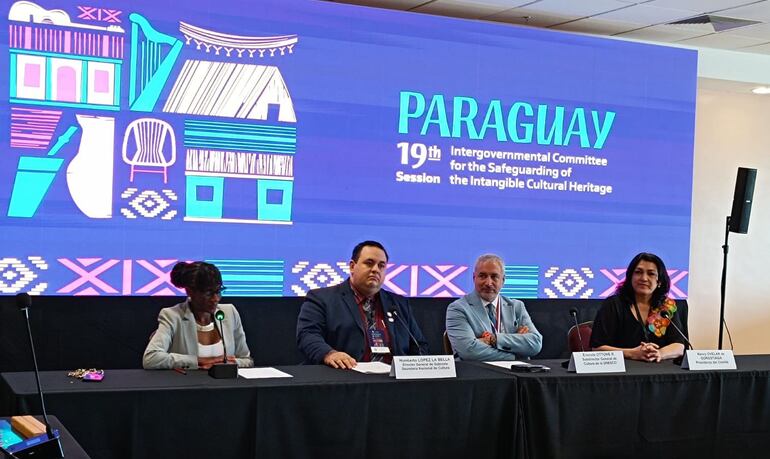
224, 370
220, 316
403, 323
51, 447
573, 312
667, 315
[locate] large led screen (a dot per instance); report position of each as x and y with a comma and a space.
269, 137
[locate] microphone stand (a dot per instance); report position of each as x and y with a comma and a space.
573, 313
671, 321
688, 345
48, 429
406, 326
224, 370
50, 447
725, 249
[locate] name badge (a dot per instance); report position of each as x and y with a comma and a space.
377, 340
423, 366
709, 360
597, 362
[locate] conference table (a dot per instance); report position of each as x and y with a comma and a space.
651, 409
319, 412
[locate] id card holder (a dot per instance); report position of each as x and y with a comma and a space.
377, 341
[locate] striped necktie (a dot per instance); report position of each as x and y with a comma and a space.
371, 323
492, 315
368, 308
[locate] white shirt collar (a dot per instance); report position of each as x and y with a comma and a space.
495, 300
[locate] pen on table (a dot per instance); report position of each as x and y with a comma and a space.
181, 371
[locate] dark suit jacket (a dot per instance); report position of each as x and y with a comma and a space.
330, 320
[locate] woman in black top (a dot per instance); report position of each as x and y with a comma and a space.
633, 319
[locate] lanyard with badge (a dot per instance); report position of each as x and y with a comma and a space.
376, 336
377, 340
641, 322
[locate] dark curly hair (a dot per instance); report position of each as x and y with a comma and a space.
626, 290
197, 275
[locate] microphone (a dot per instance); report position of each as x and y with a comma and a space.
50, 447
394, 313
573, 312
224, 370
667, 315
220, 316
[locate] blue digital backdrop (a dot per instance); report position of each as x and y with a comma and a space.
269, 137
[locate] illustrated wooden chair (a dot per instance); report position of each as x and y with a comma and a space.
150, 155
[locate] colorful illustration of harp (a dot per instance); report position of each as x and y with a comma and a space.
153, 55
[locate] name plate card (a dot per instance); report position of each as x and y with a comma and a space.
423, 367
709, 360
597, 362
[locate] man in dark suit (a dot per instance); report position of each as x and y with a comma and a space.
356, 320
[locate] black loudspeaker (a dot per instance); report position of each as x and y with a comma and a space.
744, 194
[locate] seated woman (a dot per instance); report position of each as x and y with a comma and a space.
187, 335
631, 320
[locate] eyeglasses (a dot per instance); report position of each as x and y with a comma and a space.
214, 292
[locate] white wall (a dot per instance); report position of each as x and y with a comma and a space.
732, 130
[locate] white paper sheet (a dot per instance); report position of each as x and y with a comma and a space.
377, 368
505, 363
262, 373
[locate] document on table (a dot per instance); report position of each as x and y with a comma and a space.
526, 366
506, 363
262, 373
375, 368
503, 363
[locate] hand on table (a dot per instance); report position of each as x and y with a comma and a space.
647, 352
204, 363
651, 352
337, 359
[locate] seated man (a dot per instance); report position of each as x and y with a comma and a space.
484, 325
356, 320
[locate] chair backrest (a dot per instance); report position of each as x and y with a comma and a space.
149, 134
574, 339
447, 345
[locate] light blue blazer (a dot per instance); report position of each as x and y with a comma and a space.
175, 343
467, 319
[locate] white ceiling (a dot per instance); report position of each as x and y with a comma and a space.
637, 20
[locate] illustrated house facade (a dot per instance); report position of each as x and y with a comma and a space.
56, 62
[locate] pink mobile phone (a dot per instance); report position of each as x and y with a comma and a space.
93, 376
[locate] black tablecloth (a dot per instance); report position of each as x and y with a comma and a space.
320, 412
652, 410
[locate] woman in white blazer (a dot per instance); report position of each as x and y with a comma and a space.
188, 334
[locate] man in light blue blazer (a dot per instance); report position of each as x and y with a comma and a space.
484, 325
